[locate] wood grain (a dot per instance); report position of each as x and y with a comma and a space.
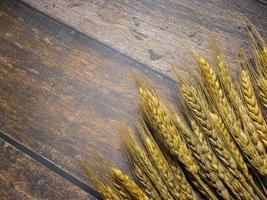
154, 31
62, 93
21, 178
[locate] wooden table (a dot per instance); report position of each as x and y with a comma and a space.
65, 85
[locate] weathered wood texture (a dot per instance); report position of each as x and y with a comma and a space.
21, 178
154, 31
62, 93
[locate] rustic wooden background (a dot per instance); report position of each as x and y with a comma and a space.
65, 81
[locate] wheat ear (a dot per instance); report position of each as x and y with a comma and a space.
200, 153
262, 85
252, 105
137, 155
166, 132
219, 100
258, 44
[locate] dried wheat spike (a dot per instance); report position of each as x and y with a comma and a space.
137, 155
128, 184
200, 153
162, 165
233, 184
166, 132
258, 44
252, 106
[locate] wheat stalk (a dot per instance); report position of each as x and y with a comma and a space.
252, 105
137, 155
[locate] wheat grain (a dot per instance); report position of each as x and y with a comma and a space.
231, 91
181, 178
252, 106
212, 84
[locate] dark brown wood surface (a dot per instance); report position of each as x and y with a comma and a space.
154, 31
21, 178
62, 93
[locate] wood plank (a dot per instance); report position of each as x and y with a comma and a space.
63, 93
24, 179
154, 31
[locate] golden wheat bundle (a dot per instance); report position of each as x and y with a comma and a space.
214, 147
252, 105
252, 147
